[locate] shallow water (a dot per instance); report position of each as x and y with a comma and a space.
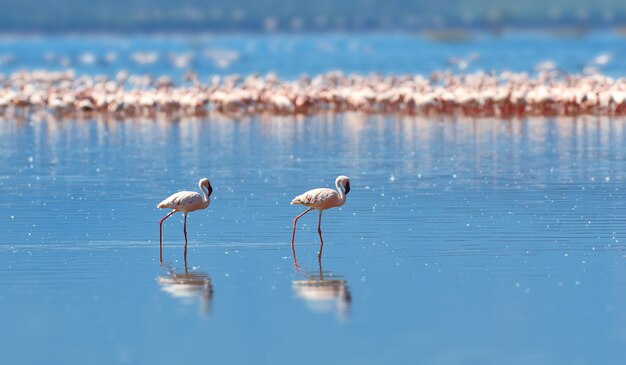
462, 241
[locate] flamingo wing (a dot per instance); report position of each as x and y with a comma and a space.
180, 200
318, 198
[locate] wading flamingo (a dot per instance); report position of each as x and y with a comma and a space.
320, 199
185, 202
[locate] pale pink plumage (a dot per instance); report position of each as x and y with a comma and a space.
184, 201
320, 199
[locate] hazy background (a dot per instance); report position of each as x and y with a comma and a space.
321, 15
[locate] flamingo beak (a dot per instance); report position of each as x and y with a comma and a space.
347, 188
210, 189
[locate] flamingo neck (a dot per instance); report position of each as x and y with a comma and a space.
205, 193
342, 195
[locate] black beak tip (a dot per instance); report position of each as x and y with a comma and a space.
347, 188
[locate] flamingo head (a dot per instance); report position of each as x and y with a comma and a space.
205, 182
344, 182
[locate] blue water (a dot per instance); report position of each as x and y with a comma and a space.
463, 241
293, 55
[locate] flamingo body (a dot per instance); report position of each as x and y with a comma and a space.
320, 199
184, 202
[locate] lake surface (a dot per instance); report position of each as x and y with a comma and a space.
463, 241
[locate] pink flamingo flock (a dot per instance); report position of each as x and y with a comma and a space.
549, 92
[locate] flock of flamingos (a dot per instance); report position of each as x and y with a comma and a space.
547, 92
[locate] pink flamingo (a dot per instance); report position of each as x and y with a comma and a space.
320, 199
185, 202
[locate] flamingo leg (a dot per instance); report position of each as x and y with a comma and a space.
161, 235
319, 262
293, 235
185, 232
319, 231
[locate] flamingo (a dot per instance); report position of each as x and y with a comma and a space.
185, 202
320, 199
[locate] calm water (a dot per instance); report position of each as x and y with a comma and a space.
462, 241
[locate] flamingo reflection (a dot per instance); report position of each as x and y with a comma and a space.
324, 291
188, 286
